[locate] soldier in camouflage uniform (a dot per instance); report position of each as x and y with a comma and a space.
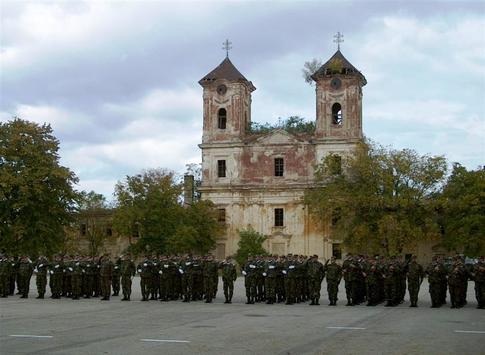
373, 277
56, 274
315, 275
435, 271
165, 279
334, 275
289, 271
415, 275
270, 275
154, 280
185, 270
89, 268
41, 270
127, 270
14, 267
25, 271
392, 279
249, 272
145, 272
66, 277
115, 283
5, 266
76, 272
209, 270
105, 274
229, 275
259, 279
280, 279
456, 278
478, 275
346, 274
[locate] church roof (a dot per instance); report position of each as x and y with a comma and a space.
337, 64
225, 70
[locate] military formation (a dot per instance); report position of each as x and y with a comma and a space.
286, 279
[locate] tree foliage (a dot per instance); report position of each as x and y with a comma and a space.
381, 199
309, 68
94, 213
293, 124
250, 243
37, 196
462, 211
148, 205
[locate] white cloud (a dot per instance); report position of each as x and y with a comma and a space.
433, 114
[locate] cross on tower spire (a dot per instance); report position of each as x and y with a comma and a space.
227, 47
339, 38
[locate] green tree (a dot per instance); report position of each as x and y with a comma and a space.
293, 124
94, 218
37, 196
309, 68
462, 211
147, 205
380, 200
198, 230
250, 243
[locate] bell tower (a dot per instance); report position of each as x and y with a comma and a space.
227, 102
339, 98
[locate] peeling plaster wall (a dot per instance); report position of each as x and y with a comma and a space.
250, 191
255, 209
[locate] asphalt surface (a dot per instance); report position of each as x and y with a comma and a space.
31, 326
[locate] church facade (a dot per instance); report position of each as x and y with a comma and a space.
258, 180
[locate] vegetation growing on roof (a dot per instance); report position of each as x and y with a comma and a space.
293, 124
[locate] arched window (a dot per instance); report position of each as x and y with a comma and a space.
221, 118
337, 117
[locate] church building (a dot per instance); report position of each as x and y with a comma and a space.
258, 180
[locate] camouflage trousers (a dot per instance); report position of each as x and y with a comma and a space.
115, 284
4, 285
250, 284
55, 283
209, 287
76, 286
314, 285
24, 284
126, 286
144, 286
41, 282
413, 288
165, 288
480, 293
105, 286
332, 289
270, 288
290, 290
228, 286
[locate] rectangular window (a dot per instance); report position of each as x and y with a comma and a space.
278, 217
83, 229
221, 168
221, 215
279, 167
221, 118
337, 251
109, 232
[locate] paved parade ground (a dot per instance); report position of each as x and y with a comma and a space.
31, 326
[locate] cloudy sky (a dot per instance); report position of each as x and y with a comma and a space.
118, 80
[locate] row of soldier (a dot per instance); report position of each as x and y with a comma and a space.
271, 279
